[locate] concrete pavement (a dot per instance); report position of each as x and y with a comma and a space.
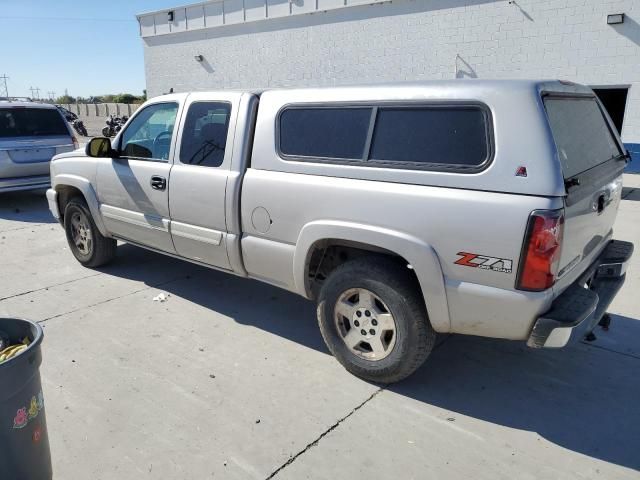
229, 378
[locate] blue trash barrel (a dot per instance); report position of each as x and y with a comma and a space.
24, 443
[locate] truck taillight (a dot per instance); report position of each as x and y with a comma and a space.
541, 250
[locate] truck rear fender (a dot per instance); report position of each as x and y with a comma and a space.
420, 255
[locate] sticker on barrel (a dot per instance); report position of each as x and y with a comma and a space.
26, 414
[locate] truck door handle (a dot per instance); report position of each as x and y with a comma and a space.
158, 182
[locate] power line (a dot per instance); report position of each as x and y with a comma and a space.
4, 92
36, 90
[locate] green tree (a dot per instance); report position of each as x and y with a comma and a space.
66, 99
124, 98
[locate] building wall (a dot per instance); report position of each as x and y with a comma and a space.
409, 40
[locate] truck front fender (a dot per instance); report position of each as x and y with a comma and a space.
88, 192
420, 255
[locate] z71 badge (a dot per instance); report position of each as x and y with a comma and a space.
503, 265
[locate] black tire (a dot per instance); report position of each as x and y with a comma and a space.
392, 283
101, 250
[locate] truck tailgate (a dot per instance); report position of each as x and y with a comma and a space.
592, 162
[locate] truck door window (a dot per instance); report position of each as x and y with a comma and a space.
204, 137
148, 136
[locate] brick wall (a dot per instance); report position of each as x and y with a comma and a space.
411, 40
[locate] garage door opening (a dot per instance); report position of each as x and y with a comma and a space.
614, 100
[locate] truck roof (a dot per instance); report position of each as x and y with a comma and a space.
516, 84
503, 85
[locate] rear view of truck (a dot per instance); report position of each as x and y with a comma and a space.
571, 249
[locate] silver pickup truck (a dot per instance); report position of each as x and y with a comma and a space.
472, 207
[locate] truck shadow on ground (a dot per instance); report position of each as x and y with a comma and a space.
582, 398
29, 207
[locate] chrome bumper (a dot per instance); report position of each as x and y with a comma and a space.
581, 306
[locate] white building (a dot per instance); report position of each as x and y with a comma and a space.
224, 44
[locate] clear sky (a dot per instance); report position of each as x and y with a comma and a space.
89, 47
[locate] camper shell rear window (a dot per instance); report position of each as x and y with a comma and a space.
583, 136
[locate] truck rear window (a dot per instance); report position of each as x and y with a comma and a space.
31, 122
204, 136
581, 133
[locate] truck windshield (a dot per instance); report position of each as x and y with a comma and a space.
582, 135
31, 122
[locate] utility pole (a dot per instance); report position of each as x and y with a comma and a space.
51, 94
4, 91
36, 90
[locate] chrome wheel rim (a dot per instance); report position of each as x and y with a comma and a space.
365, 324
81, 233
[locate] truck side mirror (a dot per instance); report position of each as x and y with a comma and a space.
99, 147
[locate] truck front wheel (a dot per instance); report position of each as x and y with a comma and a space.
373, 319
87, 244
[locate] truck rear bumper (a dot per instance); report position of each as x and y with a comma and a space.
581, 306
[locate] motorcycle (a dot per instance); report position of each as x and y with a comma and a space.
69, 116
113, 125
79, 127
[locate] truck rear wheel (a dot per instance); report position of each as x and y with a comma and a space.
374, 321
87, 244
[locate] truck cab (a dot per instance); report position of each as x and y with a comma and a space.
176, 154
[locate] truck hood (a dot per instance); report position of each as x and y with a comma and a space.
79, 152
